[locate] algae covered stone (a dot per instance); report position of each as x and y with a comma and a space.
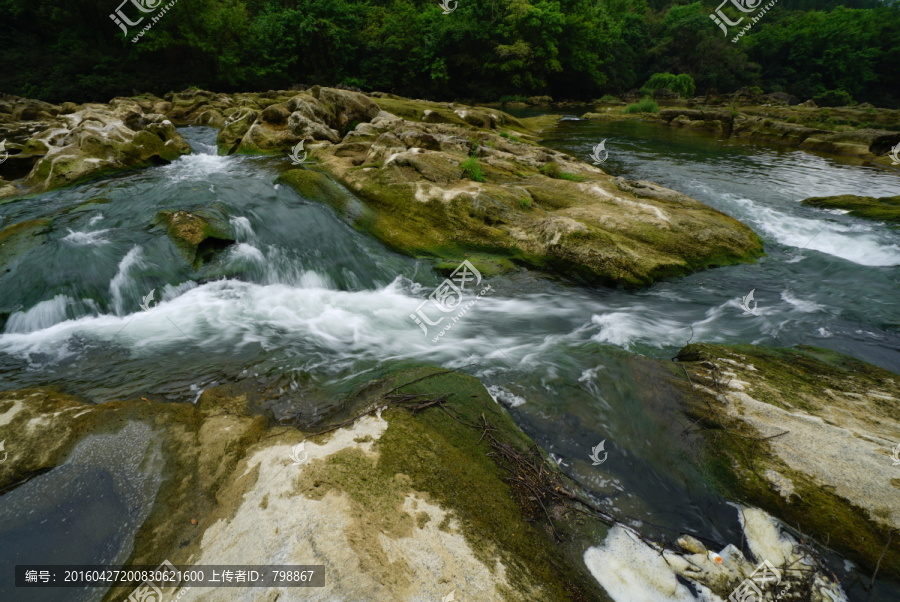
886, 209
398, 500
198, 236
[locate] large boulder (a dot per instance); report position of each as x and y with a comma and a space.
441, 190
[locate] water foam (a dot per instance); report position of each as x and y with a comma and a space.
123, 282
859, 243
83, 239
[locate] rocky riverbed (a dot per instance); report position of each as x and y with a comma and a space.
418, 484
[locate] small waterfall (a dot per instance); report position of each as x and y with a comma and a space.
122, 282
43, 315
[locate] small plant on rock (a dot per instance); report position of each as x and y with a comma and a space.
471, 169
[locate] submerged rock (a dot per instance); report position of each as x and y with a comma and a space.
18, 239
886, 209
806, 434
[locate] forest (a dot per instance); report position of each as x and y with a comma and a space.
484, 50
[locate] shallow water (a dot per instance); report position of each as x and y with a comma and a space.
305, 308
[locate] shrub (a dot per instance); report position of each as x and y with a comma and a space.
471, 169
509, 136
682, 84
513, 98
833, 98
755, 90
525, 203
608, 98
646, 105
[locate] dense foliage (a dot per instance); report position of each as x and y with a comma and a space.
485, 49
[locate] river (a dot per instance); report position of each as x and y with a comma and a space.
306, 308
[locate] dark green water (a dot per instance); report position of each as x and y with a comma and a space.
303, 309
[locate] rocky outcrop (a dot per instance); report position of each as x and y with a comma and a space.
441, 190
885, 209
403, 499
783, 125
94, 140
806, 434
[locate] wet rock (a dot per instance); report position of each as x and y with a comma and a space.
885, 209
782, 98
464, 187
398, 505
197, 236
861, 143
99, 139
811, 434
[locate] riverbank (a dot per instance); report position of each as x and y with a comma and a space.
856, 132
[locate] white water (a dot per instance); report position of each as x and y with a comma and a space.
87, 238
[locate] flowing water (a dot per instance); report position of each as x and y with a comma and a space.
305, 309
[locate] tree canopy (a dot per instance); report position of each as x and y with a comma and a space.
483, 50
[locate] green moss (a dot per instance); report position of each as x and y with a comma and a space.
551, 169
440, 454
885, 209
564, 175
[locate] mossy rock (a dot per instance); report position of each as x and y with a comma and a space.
198, 237
806, 434
317, 186
885, 209
426, 479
